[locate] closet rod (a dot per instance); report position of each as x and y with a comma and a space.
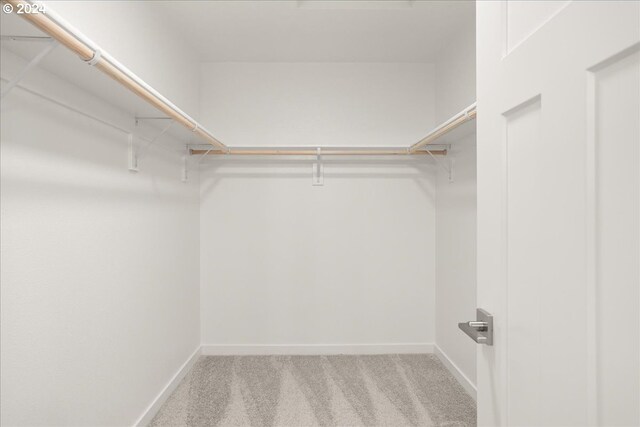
314, 152
53, 25
464, 116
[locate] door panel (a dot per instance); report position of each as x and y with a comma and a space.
558, 212
525, 197
617, 217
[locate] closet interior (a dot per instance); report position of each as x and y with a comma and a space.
190, 179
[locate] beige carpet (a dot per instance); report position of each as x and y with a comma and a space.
386, 390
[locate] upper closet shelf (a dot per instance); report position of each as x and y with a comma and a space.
60, 30
435, 138
54, 25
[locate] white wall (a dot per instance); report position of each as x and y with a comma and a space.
100, 277
348, 263
456, 209
456, 256
455, 69
280, 104
100, 270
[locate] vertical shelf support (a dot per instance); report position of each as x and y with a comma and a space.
185, 164
133, 154
318, 169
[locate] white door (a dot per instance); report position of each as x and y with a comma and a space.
559, 212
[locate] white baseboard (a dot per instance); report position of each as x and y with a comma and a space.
314, 349
464, 381
153, 408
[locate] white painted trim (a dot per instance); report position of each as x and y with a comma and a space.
314, 349
464, 381
153, 408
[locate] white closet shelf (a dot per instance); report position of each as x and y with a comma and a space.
334, 151
60, 30
56, 27
420, 147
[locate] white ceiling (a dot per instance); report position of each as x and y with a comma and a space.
316, 31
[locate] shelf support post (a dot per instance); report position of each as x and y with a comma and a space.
185, 164
133, 155
318, 169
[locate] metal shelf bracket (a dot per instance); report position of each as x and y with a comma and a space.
446, 165
136, 154
51, 44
